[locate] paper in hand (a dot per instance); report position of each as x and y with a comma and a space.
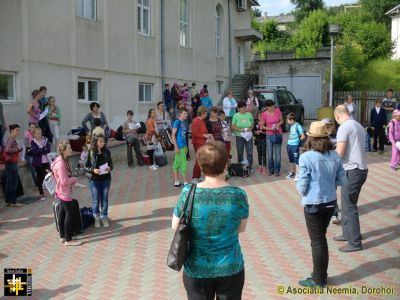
103, 169
44, 113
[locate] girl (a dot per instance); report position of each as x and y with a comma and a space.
33, 109
261, 144
320, 172
12, 150
28, 138
64, 183
40, 148
394, 137
151, 135
54, 117
214, 125
99, 164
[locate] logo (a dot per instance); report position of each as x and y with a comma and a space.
17, 282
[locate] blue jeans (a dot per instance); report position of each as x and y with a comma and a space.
99, 190
274, 145
12, 182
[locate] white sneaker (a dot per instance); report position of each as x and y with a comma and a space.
105, 222
97, 222
335, 220
153, 168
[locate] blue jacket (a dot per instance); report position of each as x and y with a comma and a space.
206, 102
378, 120
319, 175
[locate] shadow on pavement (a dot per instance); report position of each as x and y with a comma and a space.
52, 294
391, 203
386, 234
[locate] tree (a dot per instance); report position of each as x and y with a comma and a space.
255, 12
379, 8
304, 7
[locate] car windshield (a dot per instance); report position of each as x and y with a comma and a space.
266, 95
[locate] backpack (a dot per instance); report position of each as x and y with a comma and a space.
239, 170
87, 217
119, 135
142, 128
302, 142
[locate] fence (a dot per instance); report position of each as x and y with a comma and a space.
364, 101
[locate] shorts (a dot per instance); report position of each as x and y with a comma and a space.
180, 162
293, 153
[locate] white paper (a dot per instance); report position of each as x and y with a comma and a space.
44, 113
103, 169
247, 135
397, 145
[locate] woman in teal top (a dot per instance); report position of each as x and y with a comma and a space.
215, 263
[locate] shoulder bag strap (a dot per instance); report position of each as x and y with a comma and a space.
186, 201
189, 218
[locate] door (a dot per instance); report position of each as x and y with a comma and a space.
239, 60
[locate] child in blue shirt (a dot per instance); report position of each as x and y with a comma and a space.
296, 135
179, 133
206, 100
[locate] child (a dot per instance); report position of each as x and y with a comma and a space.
378, 120
394, 138
179, 133
296, 135
227, 134
214, 125
98, 130
151, 137
82, 160
40, 148
206, 101
130, 131
28, 137
261, 143
12, 151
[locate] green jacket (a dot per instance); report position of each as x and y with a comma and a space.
55, 117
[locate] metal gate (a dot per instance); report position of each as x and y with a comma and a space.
304, 87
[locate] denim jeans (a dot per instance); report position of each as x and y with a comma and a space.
350, 218
241, 143
12, 182
99, 190
274, 145
317, 224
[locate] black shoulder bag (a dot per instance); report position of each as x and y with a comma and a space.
179, 249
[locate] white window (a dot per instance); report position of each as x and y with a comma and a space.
184, 23
143, 11
88, 90
218, 24
7, 87
145, 92
86, 9
220, 87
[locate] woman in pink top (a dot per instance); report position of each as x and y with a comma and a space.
64, 183
33, 109
271, 122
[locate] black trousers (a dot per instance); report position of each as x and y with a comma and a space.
225, 288
317, 224
136, 145
379, 135
262, 152
66, 222
41, 174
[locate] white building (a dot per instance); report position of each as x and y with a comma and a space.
119, 53
394, 13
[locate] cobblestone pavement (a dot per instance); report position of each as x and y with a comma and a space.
127, 260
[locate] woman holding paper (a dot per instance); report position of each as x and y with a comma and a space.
99, 165
242, 126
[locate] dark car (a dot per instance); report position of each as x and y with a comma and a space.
283, 99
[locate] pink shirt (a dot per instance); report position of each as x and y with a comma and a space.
36, 111
29, 136
64, 181
271, 120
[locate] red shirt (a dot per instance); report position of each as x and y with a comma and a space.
198, 130
271, 120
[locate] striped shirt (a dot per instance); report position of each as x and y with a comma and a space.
11, 146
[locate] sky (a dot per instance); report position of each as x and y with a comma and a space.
276, 7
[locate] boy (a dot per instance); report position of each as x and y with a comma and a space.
167, 97
296, 135
179, 132
378, 121
129, 128
97, 128
206, 101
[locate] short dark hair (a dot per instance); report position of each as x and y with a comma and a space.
269, 102
214, 109
129, 112
221, 112
241, 104
93, 105
35, 93
205, 91
197, 97
320, 144
43, 88
194, 83
181, 110
390, 90
97, 122
159, 102
167, 84
13, 126
212, 158
378, 100
291, 116
204, 86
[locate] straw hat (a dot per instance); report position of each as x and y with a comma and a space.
317, 129
327, 121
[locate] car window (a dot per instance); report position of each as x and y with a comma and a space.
267, 95
283, 97
292, 98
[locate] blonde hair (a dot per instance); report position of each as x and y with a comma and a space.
62, 146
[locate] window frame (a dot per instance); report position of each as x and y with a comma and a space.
218, 35
141, 7
146, 84
14, 87
220, 87
184, 25
84, 10
86, 82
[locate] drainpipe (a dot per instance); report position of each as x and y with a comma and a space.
230, 42
162, 27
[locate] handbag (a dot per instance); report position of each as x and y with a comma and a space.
180, 244
239, 170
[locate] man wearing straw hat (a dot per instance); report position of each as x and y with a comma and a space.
350, 142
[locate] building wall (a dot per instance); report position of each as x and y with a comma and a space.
47, 44
395, 37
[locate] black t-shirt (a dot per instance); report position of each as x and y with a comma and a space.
101, 160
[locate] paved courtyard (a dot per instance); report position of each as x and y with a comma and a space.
127, 260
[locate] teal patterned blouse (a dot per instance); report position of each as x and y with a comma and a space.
214, 240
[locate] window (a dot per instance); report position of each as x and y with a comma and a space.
88, 90
220, 86
86, 9
145, 92
218, 24
7, 86
143, 10
283, 97
184, 23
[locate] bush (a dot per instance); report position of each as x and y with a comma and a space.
380, 74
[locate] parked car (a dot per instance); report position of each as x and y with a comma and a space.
283, 99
